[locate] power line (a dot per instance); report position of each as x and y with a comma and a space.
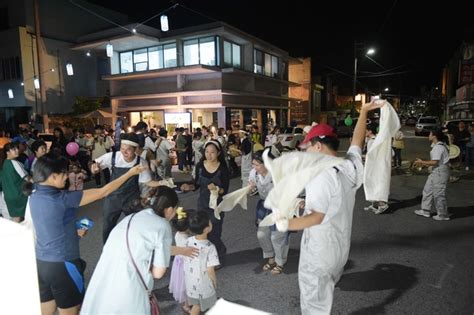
388, 16
158, 14
98, 15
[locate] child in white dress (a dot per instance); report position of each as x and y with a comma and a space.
200, 276
177, 285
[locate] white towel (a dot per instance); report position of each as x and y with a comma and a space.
213, 198
291, 173
378, 161
229, 201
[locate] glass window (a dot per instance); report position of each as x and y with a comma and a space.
227, 53
258, 64
126, 62
207, 51
275, 67
140, 59
155, 58
236, 55
268, 65
191, 52
169, 55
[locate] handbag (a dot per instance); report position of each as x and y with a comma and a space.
154, 308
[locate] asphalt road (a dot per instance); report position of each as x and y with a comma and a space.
399, 263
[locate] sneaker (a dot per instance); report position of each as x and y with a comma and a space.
381, 209
370, 208
441, 218
423, 213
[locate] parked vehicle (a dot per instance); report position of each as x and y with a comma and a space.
426, 124
410, 121
290, 138
452, 125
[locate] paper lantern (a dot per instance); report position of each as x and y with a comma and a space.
348, 121
10, 93
110, 50
69, 69
36, 83
164, 23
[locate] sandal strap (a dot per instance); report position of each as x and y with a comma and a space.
277, 269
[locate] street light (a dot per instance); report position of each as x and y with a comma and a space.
370, 51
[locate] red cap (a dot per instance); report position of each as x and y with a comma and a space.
321, 130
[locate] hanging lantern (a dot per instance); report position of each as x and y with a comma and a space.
10, 93
69, 69
110, 50
36, 83
164, 23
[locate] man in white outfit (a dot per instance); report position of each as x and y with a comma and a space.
327, 220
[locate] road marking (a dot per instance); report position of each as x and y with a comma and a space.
443, 275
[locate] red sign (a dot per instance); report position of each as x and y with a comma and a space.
466, 71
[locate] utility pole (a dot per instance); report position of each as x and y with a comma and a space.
39, 50
354, 82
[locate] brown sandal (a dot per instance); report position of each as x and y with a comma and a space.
277, 270
269, 266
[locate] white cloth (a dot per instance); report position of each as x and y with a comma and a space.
196, 278
224, 307
245, 168
4, 208
325, 247
115, 287
213, 198
291, 173
378, 161
105, 161
229, 201
163, 151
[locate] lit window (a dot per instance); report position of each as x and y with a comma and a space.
236, 55
155, 58
126, 62
191, 52
140, 59
258, 65
268, 65
170, 55
275, 67
207, 50
227, 53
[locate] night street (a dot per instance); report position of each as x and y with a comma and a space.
399, 263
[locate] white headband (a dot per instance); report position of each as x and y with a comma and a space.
128, 142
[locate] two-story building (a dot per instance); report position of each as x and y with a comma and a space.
202, 75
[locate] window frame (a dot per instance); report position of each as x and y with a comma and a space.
161, 57
216, 50
231, 64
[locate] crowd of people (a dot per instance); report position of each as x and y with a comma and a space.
136, 170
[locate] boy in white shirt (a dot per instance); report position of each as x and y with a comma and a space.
199, 273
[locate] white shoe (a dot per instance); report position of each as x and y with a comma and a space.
370, 208
441, 218
381, 209
423, 213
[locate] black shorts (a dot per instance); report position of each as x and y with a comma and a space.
62, 282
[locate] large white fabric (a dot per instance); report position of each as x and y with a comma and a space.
378, 161
229, 201
291, 173
4, 208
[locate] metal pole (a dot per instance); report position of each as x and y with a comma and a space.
355, 80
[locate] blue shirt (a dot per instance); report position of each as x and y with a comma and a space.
54, 213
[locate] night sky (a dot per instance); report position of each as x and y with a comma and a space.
416, 39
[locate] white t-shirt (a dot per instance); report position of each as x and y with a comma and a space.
333, 191
105, 161
163, 151
264, 183
149, 144
196, 278
180, 239
440, 153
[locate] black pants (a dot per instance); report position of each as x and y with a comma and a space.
398, 157
216, 234
181, 159
106, 173
83, 159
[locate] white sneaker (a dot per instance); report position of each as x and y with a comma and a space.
369, 208
381, 209
423, 213
441, 218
